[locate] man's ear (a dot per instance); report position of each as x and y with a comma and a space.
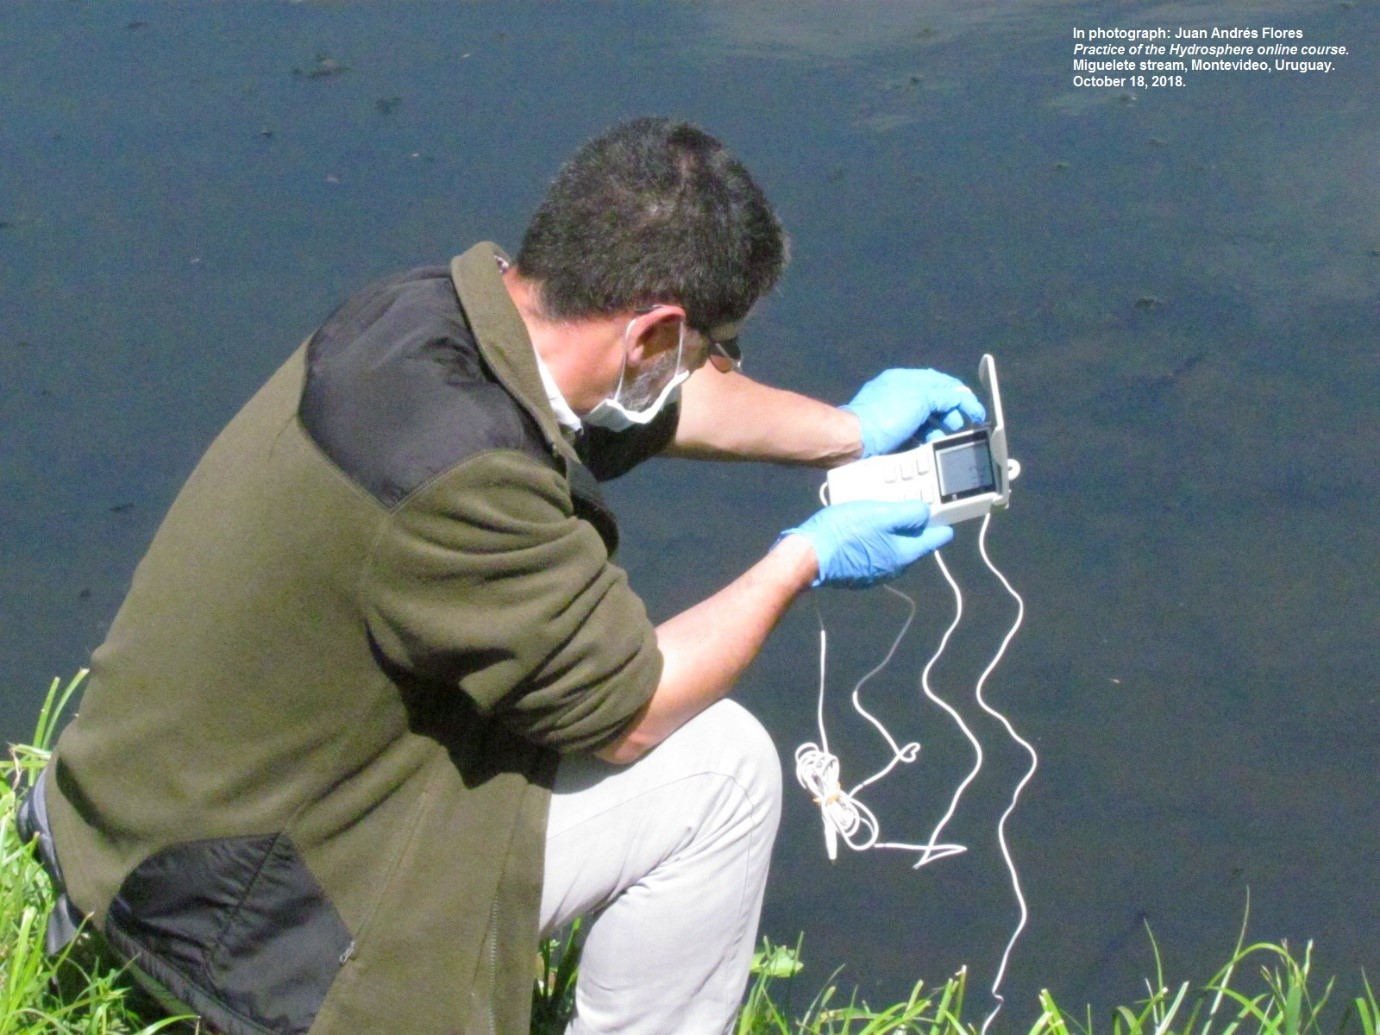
655, 333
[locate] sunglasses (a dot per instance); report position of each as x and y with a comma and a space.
724, 355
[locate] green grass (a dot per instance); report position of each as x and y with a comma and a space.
94, 1000
1264, 989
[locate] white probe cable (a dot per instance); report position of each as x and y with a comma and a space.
817, 769
1020, 786
932, 851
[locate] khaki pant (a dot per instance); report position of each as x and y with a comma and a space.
669, 855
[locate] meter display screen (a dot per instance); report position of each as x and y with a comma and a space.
965, 469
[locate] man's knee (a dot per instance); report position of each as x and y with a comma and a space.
730, 738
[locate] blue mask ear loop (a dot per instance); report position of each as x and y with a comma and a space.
844, 815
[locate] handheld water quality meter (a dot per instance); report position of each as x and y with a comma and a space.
961, 476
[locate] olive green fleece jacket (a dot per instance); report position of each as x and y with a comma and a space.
307, 785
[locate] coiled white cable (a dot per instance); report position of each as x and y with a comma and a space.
817, 769
846, 816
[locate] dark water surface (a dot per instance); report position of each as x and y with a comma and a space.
1180, 285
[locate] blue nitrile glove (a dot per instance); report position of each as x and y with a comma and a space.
901, 405
861, 543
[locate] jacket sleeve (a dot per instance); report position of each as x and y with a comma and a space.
485, 580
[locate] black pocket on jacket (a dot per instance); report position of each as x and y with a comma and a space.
238, 928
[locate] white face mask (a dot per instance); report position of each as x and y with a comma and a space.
616, 415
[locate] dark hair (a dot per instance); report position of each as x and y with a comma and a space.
653, 211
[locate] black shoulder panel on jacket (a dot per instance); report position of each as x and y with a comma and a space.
397, 392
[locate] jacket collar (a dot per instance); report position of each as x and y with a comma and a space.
502, 336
